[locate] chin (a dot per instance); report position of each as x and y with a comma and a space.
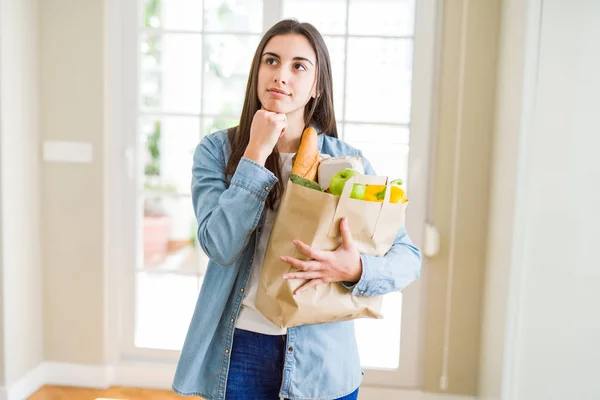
275, 106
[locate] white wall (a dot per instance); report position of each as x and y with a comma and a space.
512, 63
552, 349
1, 213
19, 174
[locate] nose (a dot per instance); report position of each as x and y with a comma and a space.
281, 76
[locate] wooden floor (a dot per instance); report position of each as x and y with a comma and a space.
113, 393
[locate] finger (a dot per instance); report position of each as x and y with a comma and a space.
303, 275
309, 251
301, 265
281, 125
277, 117
308, 285
346, 234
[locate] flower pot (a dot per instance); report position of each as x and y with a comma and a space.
156, 237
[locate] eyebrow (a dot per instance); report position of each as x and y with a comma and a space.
268, 53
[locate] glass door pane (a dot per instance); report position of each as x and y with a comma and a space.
226, 72
244, 16
379, 339
192, 82
171, 66
173, 15
328, 16
164, 305
379, 80
382, 17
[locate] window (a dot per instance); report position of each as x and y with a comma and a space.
187, 62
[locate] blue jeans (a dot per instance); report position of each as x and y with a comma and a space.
256, 367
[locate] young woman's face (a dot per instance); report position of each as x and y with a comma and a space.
287, 74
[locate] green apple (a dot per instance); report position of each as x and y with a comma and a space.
336, 185
358, 191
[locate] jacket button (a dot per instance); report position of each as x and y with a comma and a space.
291, 349
226, 351
232, 319
362, 292
242, 290
267, 188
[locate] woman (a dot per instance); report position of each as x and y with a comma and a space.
231, 351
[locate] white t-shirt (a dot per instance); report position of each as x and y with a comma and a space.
250, 318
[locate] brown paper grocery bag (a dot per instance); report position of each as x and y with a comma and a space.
314, 217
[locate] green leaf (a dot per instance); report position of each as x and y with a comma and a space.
298, 180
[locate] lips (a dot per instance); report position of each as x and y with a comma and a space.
280, 91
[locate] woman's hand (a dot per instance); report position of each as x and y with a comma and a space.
341, 265
266, 129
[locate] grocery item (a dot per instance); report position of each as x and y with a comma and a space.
332, 165
397, 195
297, 179
306, 160
337, 182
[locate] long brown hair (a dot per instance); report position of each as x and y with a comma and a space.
318, 112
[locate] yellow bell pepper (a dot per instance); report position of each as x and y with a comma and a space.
397, 195
377, 193
371, 192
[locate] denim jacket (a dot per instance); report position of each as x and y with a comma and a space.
322, 360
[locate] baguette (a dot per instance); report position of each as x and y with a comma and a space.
306, 161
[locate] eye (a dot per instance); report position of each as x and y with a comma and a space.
300, 67
270, 61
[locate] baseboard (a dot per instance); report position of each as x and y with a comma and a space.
27, 385
55, 373
144, 375
434, 396
81, 375
376, 393
155, 376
